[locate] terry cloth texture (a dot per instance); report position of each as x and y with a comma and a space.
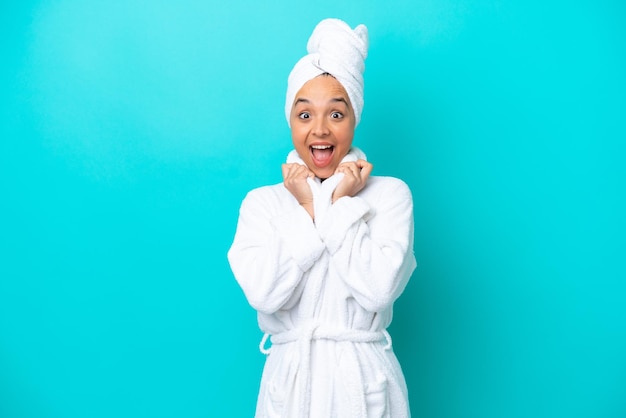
324, 292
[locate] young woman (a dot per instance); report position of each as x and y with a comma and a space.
323, 255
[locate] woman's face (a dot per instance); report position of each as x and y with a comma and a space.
322, 124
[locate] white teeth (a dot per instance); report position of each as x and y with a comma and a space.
321, 146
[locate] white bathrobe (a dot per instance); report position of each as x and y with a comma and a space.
324, 291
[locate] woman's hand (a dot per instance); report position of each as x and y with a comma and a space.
355, 177
295, 179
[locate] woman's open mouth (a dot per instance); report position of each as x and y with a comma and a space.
322, 155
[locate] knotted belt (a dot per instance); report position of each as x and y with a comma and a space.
305, 335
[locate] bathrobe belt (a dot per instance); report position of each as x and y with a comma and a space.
305, 335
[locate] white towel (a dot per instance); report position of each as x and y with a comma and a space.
337, 49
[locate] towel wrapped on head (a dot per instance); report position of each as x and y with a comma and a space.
333, 48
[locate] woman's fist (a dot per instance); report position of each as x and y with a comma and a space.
354, 179
295, 179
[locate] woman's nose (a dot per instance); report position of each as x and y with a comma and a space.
321, 127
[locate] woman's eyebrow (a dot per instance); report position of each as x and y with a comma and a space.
333, 100
339, 100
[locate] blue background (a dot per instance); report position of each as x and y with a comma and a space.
130, 132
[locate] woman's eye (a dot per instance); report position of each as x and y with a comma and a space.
304, 115
336, 115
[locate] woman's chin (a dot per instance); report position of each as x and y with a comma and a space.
323, 173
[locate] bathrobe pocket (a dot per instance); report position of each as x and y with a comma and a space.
281, 393
376, 398
275, 400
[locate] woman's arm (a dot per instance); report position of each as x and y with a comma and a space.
275, 244
372, 247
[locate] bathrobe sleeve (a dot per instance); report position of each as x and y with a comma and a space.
371, 243
275, 244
